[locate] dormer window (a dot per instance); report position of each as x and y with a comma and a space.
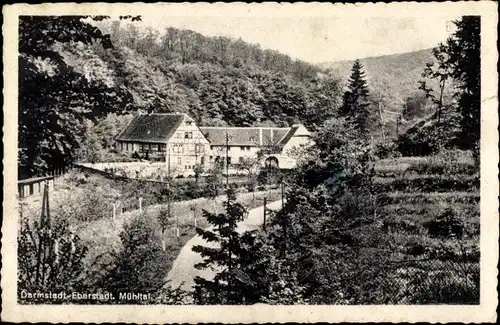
189, 122
252, 139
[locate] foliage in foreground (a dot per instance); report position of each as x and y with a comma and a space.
333, 244
456, 123
49, 258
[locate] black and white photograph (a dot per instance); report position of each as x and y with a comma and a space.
252, 158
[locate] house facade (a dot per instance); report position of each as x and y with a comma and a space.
176, 137
155, 135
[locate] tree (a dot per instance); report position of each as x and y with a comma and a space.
414, 106
356, 105
228, 254
465, 52
330, 218
50, 258
441, 72
140, 266
50, 255
51, 115
459, 59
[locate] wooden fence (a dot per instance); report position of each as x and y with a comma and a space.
34, 186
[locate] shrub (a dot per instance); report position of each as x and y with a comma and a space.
445, 183
443, 283
427, 136
446, 225
49, 258
140, 266
386, 150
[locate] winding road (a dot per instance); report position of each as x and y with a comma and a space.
183, 271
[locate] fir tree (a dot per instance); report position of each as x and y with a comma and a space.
225, 254
465, 53
356, 105
459, 59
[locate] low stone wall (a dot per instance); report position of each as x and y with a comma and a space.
140, 169
144, 170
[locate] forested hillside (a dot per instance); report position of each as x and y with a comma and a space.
88, 68
101, 67
394, 77
216, 80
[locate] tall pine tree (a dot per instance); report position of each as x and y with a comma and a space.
356, 104
225, 253
460, 59
465, 52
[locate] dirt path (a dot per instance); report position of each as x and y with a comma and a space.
183, 269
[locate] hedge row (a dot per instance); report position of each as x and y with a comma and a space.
431, 184
425, 198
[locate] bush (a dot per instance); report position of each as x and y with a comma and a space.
49, 258
430, 184
387, 150
427, 136
446, 225
450, 285
140, 266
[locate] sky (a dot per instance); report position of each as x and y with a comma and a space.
319, 39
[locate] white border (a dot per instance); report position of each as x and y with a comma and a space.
485, 312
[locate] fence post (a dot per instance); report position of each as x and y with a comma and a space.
265, 210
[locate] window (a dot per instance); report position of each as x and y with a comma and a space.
229, 160
211, 147
210, 158
162, 147
242, 148
178, 148
189, 122
240, 160
202, 162
127, 146
188, 135
179, 161
200, 148
252, 139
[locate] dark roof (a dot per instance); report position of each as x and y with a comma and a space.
244, 136
151, 128
288, 135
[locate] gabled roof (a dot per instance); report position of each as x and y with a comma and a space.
288, 135
244, 136
151, 128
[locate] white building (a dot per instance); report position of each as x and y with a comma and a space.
153, 135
